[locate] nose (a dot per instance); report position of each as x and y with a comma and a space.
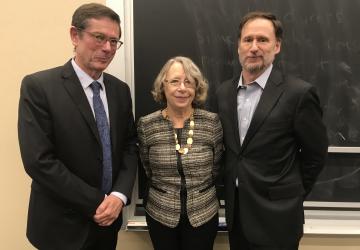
182, 85
254, 46
106, 46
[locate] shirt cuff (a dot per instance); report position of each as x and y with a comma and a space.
120, 196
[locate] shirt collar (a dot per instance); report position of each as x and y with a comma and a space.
261, 80
84, 78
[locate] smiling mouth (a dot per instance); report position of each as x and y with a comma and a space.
103, 59
182, 98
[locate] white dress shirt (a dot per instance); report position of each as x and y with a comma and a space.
86, 81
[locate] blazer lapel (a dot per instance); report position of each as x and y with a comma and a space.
272, 92
113, 109
233, 105
75, 90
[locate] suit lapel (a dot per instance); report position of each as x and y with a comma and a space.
272, 92
75, 90
233, 112
113, 109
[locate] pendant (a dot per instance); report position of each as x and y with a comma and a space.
189, 141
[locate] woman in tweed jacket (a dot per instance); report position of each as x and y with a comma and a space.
181, 147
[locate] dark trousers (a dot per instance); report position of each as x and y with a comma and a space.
184, 236
104, 238
238, 240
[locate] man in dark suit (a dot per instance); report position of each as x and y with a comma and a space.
78, 140
275, 141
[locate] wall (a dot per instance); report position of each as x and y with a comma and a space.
35, 36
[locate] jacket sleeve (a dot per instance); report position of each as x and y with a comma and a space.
127, 172
144, 150
218, 148
218, 145
311, 135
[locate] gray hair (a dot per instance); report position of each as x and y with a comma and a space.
191, 71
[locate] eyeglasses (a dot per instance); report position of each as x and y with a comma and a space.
101, 39
177, 83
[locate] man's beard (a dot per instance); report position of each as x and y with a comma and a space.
254, 69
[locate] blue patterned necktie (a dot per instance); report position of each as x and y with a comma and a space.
104, 132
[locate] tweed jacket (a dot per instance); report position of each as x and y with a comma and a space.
200, 166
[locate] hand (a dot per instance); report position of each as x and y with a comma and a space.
108, 211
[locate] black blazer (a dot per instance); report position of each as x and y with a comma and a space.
280, 158
61, 152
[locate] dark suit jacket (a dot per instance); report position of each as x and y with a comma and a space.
280, 158
61, 152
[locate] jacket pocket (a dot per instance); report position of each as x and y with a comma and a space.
158, 189
206, 188
286, 191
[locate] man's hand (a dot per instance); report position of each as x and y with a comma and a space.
108, 210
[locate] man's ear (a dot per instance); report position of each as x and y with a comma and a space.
74, 35
278, 46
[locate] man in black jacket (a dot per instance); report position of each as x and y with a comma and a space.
275, 141
78, 140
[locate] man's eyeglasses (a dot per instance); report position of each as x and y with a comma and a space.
101, 39
177, 83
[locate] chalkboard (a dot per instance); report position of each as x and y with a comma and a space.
321, 45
